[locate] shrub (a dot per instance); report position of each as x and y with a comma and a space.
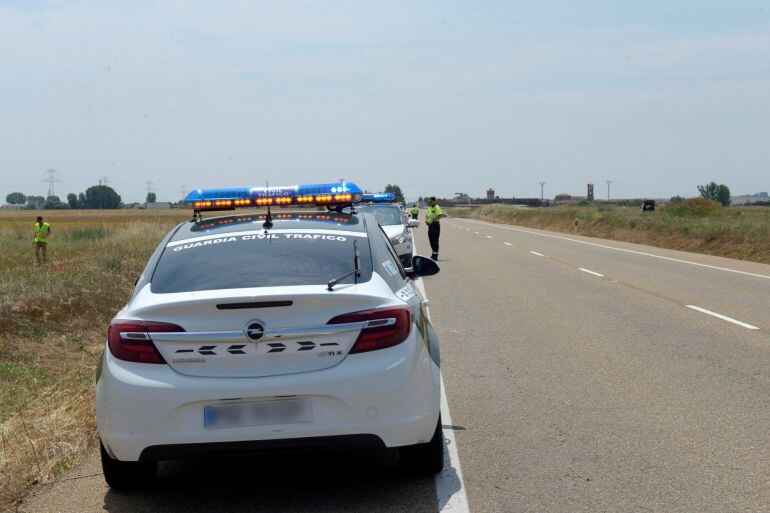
695, 207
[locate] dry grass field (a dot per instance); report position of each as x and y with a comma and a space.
53, 320
700, 226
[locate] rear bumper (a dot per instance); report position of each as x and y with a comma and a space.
384, 398
259, 447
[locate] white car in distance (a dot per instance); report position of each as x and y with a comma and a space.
396, 226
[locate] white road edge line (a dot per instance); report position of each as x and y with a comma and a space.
723, 317
536, 253
626, 250
508, 243
589, 271
450, 486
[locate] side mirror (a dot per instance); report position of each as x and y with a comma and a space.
422, 266
412, 223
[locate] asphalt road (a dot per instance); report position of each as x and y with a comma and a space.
570, 390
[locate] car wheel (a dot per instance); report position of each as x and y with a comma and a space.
127, 475
424, 459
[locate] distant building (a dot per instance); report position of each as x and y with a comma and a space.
158, 205
562, 197
590, 192
490, 193
462, 197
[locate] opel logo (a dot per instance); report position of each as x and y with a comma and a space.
254, 330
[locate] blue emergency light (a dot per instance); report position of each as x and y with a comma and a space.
328, 194
379, 197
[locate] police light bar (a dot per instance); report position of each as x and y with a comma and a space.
329, 194
379, 197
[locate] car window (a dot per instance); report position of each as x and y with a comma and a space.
386, 260
384, 214
258, 259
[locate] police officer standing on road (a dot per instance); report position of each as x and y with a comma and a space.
42, 233
415, 211
432, 219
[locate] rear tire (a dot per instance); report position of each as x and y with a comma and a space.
127, 475
424, 459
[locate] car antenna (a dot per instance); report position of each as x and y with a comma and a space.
268, 218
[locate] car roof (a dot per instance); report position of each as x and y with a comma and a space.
281, 220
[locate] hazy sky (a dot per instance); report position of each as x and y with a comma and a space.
439, 97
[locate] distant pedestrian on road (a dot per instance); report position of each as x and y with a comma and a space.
42, 234
415, 211
432, 219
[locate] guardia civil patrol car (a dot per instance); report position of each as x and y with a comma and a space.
397, 227
267, 332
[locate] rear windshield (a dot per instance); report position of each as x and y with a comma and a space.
385, 215
256, 259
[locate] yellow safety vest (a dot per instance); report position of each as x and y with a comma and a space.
415, 211
433, 213
42, 232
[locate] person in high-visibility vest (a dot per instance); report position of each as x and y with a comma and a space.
42, 234
432, 219
415, 211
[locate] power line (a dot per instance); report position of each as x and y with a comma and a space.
51, 179
148, 188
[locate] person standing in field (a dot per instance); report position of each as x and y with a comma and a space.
42, 234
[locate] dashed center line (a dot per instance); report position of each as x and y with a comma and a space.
723, 317
490, 237
589, 271
477, 233
536, 253
766, 276
508, 243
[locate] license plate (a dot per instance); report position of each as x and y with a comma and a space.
258, 413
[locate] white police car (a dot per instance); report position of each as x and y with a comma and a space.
268, 332
393, 221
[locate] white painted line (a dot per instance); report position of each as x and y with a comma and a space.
508, 243
767, 277
536, 253
490, 237
477, 233
450, 487
589, 271
723, 317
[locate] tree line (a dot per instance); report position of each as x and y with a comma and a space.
711, 191
95, 197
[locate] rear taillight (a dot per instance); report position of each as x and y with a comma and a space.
384, 327
130, 340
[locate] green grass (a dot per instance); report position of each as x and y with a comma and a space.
734, 232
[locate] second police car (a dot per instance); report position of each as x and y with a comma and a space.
266, 331
391, 217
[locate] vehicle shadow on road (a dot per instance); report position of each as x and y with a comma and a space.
335, 482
